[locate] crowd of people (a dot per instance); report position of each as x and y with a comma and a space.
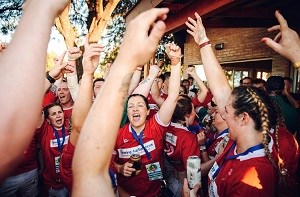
119, 136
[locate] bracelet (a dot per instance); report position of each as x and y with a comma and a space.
72, 59
204, 44
50, 79
297, 64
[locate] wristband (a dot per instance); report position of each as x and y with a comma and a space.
50, 79
72, 59
204, 44
297, 64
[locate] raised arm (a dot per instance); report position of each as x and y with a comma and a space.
145, 85
23, 73
73, 54
216, 78
98, 135
167, 108
286, 42
84, 99
135, 80
202, 93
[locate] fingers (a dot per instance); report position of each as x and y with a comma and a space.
271, 43
281, 20
277, 37
275, 27
61, 58
127, 169
153, 15
186, 190
157, 32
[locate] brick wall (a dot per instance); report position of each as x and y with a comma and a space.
240, 44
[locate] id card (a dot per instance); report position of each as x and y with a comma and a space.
154, 171
56, 163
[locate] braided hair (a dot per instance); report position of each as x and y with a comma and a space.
259, 107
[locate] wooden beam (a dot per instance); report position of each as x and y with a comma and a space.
141, 7
239, 12
204, 7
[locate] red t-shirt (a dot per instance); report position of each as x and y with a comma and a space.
246, 174
179, 144
126, 145
49, 98
51, 155
66, 165
289, 153
29, 161
152, 104
207, 99
212, 150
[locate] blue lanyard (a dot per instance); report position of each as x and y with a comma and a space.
251, 149
112, 178
139, 139
59, 145
222, 133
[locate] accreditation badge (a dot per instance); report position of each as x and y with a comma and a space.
154, 171
57, 163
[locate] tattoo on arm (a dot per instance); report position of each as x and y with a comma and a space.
124, 88
145, 80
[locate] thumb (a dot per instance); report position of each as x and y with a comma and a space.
271, 43
157, 32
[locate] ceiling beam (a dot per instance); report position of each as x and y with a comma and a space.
142, 6
205, 8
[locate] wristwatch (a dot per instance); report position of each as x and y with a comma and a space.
50, 79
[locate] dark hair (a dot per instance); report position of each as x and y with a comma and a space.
259, 106
259, 81
97, 79
275, 84
47, 107
162, 77
144, 98
183, 108
184, 89
241, 81
167, 75
290, 80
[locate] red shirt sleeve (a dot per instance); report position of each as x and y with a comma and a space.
66, 164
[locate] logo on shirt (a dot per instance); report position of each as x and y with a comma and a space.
53, 143
169, 137
127, 152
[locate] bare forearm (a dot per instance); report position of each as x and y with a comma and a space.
24, 73
99, 132
216, 78
134, 81
145, 86
82, 105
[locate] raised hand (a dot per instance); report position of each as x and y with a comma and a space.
91, 56
74, 53
196, 29
191, 70
142, 36
286, 42
173, 52
60, 67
